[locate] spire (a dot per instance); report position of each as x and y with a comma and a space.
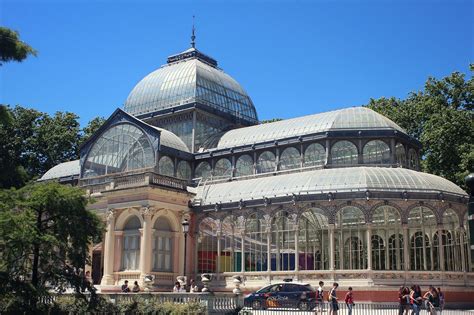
193, 37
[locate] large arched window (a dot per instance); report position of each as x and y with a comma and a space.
207, 246
244, 166
223, 168
412, 159
351, 249
131, 244
376, 152
344, 153
231, 246
121, 148
386, 225
162, 246
266, 162
313, 240
183, 170
255, 244
166, 166
283, 242
422, 223
450, 241
203, 170
314, 155
290, 158
400, 154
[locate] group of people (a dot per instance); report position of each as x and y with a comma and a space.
412, 299
333, 300
193, 288
125, 288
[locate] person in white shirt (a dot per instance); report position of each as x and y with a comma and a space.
320, 299
193, 288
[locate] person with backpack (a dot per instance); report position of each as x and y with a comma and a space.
349, 301
332, 299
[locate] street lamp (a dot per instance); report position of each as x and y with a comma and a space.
185, 225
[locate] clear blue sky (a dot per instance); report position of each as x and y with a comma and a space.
292, 57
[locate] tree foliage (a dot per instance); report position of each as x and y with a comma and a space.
45, 234
441, 117
266, 121
12, 48
92, 127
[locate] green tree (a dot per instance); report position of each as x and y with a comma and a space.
441, 117
45, 235
12, 48
266, 121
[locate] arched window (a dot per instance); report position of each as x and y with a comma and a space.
412, 159
231, 246
421, 223
283, 242
207, 246
290, 158
378, 253
314, 155
351, 249
386, 224
266, 162
344, 153
400, 154
166, 166
223, 168
131, 244
451, 245
244, 166
162, 246
203, 170
376, 152
184, 170
313, 240
255, 244
121, 148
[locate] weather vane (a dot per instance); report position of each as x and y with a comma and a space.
193, 37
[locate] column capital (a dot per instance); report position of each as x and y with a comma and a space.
110, 215
146, 212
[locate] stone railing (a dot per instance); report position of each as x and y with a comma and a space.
130, 179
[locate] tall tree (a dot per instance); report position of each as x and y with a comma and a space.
91, 128
12, 48
442, 118
45, 235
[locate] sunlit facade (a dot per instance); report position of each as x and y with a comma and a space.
330, 196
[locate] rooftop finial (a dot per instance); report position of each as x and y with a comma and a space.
193, 37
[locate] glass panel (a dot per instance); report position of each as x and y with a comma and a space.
121, 148
313, 240
184, 170
400, 154
223, 168
290, 158
412, 159
422, 223
283, 242
376, 152
314, 155
207, 246
344, 153
203, 170
266, 162
166, 166
244, 166
350, 240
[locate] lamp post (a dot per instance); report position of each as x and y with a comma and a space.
185, 225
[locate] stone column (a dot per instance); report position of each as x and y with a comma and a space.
269, 249
406, 253
242, 249
297, 251
328, 154
441, 248
463, 253
369, 246
108, 277
218, 265
331, 247
145, 243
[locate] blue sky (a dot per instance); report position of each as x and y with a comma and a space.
293, 57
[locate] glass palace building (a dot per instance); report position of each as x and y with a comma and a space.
335, 196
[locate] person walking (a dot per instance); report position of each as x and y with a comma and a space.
332, 299
415, 299
320, 298
442, 300
403, 300
349, 299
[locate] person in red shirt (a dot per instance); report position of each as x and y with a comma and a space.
349, 300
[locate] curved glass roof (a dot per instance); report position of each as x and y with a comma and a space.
188, 81
71, 168
170, 140
358, 118
351, 179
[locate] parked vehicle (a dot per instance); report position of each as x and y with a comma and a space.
283, 295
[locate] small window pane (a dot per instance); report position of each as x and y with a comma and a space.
290, 158
244, 166
266, 162
166, 166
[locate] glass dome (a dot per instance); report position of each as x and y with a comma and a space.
190, 77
